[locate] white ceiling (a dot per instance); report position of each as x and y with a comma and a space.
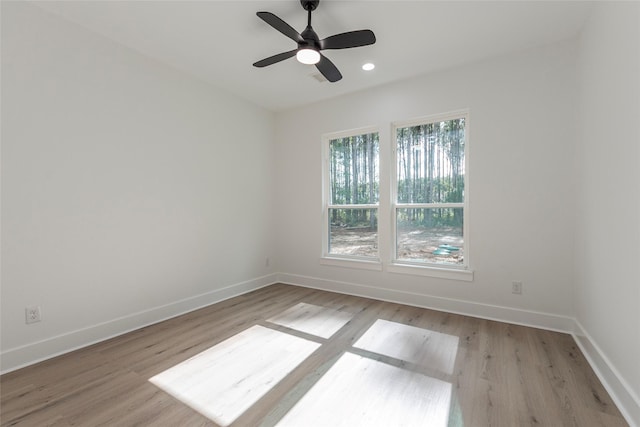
218, 41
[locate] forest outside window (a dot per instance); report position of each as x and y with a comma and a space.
429, 210
352, 196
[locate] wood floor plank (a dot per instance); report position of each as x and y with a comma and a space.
463, 371
225, 380
312, 319
387, 396
411, 344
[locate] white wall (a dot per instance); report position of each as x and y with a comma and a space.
522, 134
128, 195
607, 293
130, 192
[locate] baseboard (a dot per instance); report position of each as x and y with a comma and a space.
626, 400
29, 354
515, 316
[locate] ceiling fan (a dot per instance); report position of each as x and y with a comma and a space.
309, 45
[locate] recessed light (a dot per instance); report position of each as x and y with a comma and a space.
368, 66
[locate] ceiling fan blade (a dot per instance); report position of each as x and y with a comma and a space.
328, 70
349, 39
275, 58
281, 26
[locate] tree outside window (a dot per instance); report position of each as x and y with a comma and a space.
424, 200
352, 210
430, 188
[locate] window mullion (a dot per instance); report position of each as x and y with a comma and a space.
368, 206
428, 205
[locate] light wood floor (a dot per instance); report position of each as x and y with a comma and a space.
302, 357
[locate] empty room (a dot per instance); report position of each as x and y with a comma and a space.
320, 213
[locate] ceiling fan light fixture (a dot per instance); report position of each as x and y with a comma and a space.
308, 56
310, 45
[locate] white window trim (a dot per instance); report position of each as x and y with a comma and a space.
423, 268
432, 270
366, 263
352, 262
387, 207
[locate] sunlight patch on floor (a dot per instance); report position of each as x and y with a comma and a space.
358, 391
411, 344
225, 380
312, 319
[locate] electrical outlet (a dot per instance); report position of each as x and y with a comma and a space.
32, 314
516, 288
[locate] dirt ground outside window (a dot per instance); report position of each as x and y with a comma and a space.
413, 244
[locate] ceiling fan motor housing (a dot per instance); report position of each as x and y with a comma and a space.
310, 39
309, 4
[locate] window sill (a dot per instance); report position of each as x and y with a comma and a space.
452, 273
362, 264
432, 271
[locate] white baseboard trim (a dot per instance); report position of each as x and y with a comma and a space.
552, 322
19, 357
626, 400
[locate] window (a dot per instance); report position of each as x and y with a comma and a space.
351, 195
412, 218
429, 192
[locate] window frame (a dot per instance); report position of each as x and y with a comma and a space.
459, 272
387, 204
369, 263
